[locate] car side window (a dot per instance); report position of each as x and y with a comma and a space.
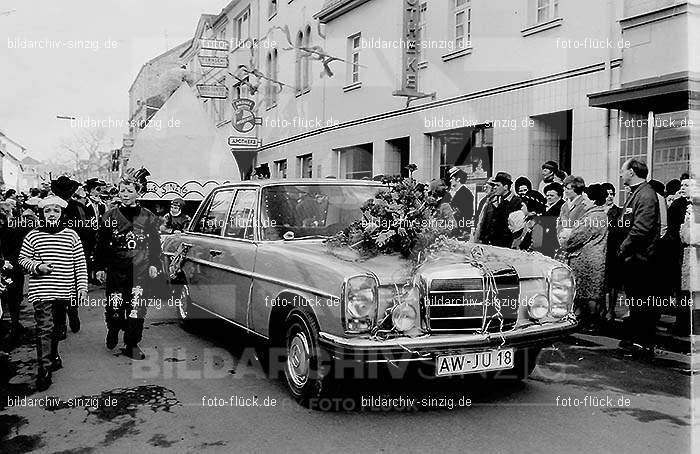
240, 222
213, 216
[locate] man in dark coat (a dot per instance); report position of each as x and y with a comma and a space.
640, 224
497, 230
75, 217
94, 210
462, 200
127, 257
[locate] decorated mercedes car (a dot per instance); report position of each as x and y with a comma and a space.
337, 272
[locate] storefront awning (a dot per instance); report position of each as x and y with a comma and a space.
663, 94
185, 153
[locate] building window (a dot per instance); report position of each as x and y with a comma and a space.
305, 166
243, 27
355, 162
633, 140
354, 43
221, 33
219, 105
306, 62
671, 145
281, 169
422, 33
547, 10
462, 23
272, 73
272, 8
303, 61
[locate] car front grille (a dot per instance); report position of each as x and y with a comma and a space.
457, 305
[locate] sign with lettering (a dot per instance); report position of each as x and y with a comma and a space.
212, 91
244, 119
213, 44
409, 66
206, 61
244, 142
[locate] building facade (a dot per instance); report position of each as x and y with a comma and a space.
513, 84
358, 88
11, 171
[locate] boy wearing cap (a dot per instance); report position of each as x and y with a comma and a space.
175, 220
53, 255
127, 257
74, 216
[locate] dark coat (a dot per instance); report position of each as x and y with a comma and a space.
555, 210
126, 248
612, 263
463, 205
640, 228
496, 231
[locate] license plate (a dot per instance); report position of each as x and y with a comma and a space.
467, 363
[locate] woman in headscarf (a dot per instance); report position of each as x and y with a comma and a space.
53, 255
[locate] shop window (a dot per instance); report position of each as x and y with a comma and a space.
355, 162
470, 149
671, 145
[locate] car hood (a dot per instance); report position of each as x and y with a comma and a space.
393, 268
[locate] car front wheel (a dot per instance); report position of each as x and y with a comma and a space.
188, 315
307, 371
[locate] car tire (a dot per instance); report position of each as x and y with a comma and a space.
189, 316
308, 372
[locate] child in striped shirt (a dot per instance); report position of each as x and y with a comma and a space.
53, 255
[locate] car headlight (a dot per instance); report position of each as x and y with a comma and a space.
562, 290
404, 315
360, 301
538, 307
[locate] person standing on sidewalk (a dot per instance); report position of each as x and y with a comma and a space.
127, 257
53, 255
640, 233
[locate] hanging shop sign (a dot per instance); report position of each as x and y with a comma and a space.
241, 143
410, 54
207, 61
213, 44
244, 119
212, 91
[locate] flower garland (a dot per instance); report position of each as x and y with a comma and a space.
404, 218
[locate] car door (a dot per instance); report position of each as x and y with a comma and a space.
236, 249
202, 255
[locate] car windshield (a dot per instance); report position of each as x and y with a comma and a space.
311, 210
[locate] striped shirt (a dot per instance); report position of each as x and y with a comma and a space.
64, 251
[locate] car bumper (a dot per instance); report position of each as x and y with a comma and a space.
427, 347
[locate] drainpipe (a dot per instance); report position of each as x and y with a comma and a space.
608, 76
